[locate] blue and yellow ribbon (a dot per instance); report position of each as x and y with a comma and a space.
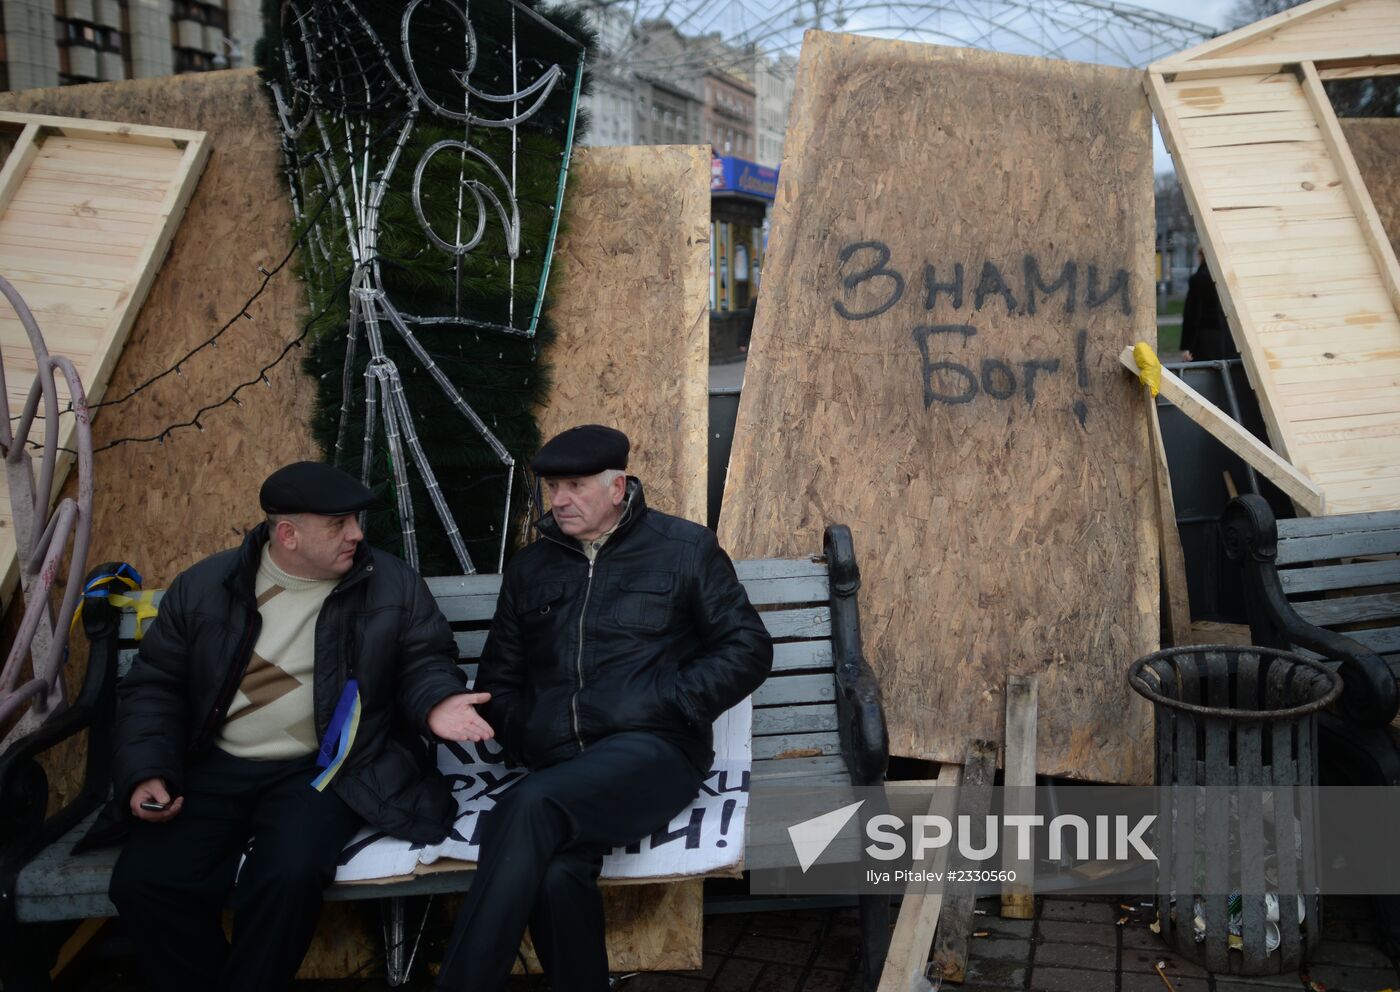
340, 735
106, 586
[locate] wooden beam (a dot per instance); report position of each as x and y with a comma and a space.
1177, 599
17, 164
1372, 231
1357, 71
1263, 65
923, 901
974, 800
1220, 426
1218, 46
1226, 282
1018, 897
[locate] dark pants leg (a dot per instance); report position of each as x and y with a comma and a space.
542, 846
172, 879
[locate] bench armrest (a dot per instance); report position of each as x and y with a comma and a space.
23, 783
1250, 536
860, 711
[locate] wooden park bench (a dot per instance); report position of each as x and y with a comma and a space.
1329, 588
818, 720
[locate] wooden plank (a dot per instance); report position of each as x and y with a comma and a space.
808, 622
994, 494
780, 747
1324, 526
1303, 549
1355, 575
1177, 598
923, 901
1018, 895
1350, 609
1164, 102
783, 689
1216, 48
632, 344
1358, 71
814, 719
1224, 429
1385, 640
801, 654
974, 799
17, 163
1371, 228
779, 568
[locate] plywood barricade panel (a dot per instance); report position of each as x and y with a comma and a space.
1375, 144
1307, 274
961, 245
632, 312
87, 211
631, 309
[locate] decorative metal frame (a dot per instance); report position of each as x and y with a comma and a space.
332, 110
41, 537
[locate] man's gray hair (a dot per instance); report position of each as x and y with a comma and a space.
608, 474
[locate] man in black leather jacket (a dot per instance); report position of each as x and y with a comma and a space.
281, 693
619, 637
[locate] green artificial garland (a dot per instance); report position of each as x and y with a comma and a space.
500, 375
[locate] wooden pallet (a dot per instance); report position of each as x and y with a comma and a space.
87, 212
1306, 273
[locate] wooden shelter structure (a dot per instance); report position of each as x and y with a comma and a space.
1307, 276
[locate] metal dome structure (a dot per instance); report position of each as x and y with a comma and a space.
1100, 31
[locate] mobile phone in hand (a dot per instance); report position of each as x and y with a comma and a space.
151, 806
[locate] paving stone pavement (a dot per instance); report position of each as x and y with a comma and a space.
1071, 946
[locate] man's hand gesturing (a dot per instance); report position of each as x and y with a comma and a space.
456, 718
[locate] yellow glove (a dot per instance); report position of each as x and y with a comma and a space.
1149, 368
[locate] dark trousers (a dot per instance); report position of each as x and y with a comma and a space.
542, 847
172, 879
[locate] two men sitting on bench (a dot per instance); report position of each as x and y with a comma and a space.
284, 689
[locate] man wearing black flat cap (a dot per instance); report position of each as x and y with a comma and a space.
282, 695
619, 637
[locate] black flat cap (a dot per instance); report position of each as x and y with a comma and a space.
314, 487
585, 450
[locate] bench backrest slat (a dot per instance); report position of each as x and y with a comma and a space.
1346, 523
1350, 609
1352, 575
1296, 550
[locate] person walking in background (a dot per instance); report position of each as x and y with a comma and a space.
1205, 333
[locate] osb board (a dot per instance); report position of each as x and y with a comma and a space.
161, 507
631, 305
1375, 144
1311, 304
991, 458
87, 212
1336, 29
649, 928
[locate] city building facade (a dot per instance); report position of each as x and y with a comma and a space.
58, 42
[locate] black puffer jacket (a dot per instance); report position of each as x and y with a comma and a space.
656, 634
380, 625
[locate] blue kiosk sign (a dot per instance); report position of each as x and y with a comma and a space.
736, 175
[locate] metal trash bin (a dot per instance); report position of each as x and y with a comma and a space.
1228, 718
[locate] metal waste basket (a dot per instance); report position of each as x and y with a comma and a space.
1236, 831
